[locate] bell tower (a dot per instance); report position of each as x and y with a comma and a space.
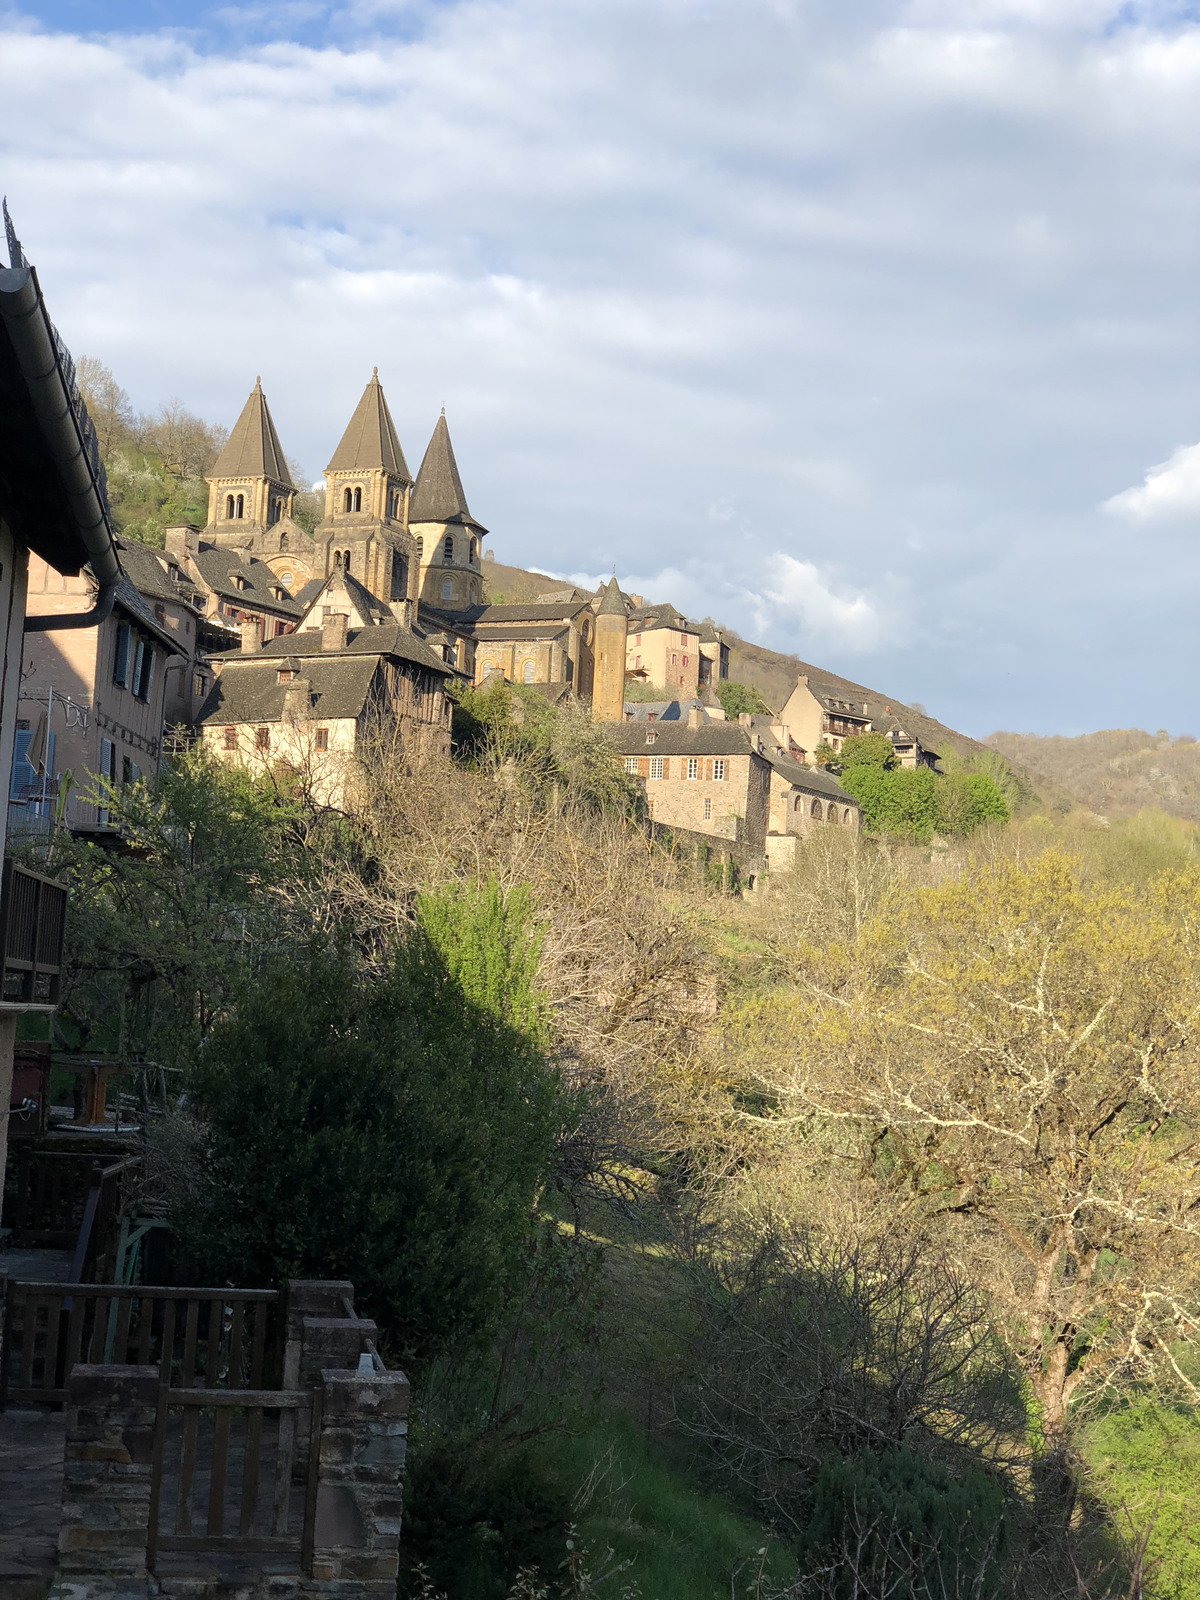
367, 487
250, 487
449, 540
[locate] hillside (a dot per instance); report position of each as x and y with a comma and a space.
770, 672
1116, 772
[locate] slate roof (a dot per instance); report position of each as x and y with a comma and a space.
518, 613
438, 494
146, 570
131, 602
250, 691
663, 710
612, 603
220, 568
517, 636
370, 438
253, 449
677, 739
381, 639
368, 604
814, 780
645, 619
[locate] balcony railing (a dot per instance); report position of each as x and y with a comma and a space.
33, 918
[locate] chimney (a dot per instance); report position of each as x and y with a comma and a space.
695, 716
182, 542
297, 700
745, 718
402, 611
250, 637
333, 631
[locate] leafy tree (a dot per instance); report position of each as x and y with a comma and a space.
414, 1109
161, 933
902, 802
868, 750
968, 800
738, 697
1012, 1057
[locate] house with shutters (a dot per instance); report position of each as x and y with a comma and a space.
92, 700
729, 780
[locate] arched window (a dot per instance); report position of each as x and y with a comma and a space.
420, 550
448, 548
229, 506
849, 815
283, 541
240, 510
816, 811
799, 803
345, 561
348, 501
488, 666
447, 588
337, 558
358, 499
527, 672
474, 548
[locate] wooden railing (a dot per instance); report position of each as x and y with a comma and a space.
242, 1442
222, 1338
33, 919
69, 1200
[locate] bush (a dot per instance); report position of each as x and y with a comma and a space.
738, 697
413, 1111
899, 1525
902, 802
968, 800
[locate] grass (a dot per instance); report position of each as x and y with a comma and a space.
641, 1503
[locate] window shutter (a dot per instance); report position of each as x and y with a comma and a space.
121, 658
666, 766
148, 674
708, 768
643, 766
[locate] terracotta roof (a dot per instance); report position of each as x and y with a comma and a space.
253, 449
438, 494
250, 691
370, 438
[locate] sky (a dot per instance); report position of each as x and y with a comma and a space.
870, 330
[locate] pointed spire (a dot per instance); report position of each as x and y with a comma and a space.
370, 438
253, 449
611, 603
438, 493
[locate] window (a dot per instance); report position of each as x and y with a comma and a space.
718, 770
637, 638
358, 499
708, 811
474, 548
656, 766
799, 801
693, 767
447, 588
286, 674
143, 669
448, 548
685, 661
631, 764
322, 739
816, 810
198, 682
127, 770
651, 738
849, 817
231, 738
262, 738
229, 505
160, 613
283, 541
239, 509
239, 582
121, 658
527, 672
348, 501
674, 659
345, 561
488, 666
637, 661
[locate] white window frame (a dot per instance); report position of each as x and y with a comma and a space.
719, 770
693, 766
656, 766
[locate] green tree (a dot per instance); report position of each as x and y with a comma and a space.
738, 697
968, 800
902, 803
413, 1109
868, 750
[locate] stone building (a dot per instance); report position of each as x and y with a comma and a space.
231, 584
730, 780
609, 655
533, 644
449, 541
313, 699
827, 709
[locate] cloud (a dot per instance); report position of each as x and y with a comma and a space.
824, 316
1170, 489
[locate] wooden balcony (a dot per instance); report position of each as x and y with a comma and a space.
33, 919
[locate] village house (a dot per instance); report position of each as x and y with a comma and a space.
730, 780
543, 643
92, 700
825, 709
314, 699
231, 586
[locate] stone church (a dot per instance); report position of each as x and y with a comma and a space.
407, 541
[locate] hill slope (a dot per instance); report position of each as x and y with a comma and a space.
1116, 772
770, 672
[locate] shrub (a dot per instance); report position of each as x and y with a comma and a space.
414, 1111
902, 802
738, 697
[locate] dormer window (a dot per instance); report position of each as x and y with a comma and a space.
277, 593
651, 738
239, 582
286, 674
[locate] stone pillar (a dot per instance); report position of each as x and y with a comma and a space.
364, 1428
106, 1478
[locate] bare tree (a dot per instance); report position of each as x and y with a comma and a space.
187, 444
107, 403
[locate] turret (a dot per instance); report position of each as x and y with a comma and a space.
608, 678
449, 540
250, 487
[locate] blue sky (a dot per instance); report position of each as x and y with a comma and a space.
870, 330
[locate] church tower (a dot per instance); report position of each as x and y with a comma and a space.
367, 487
449, 541
608, 680
250, 488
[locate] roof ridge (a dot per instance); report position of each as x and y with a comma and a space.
370, 439
252, 449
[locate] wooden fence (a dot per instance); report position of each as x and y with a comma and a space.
222, 1338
